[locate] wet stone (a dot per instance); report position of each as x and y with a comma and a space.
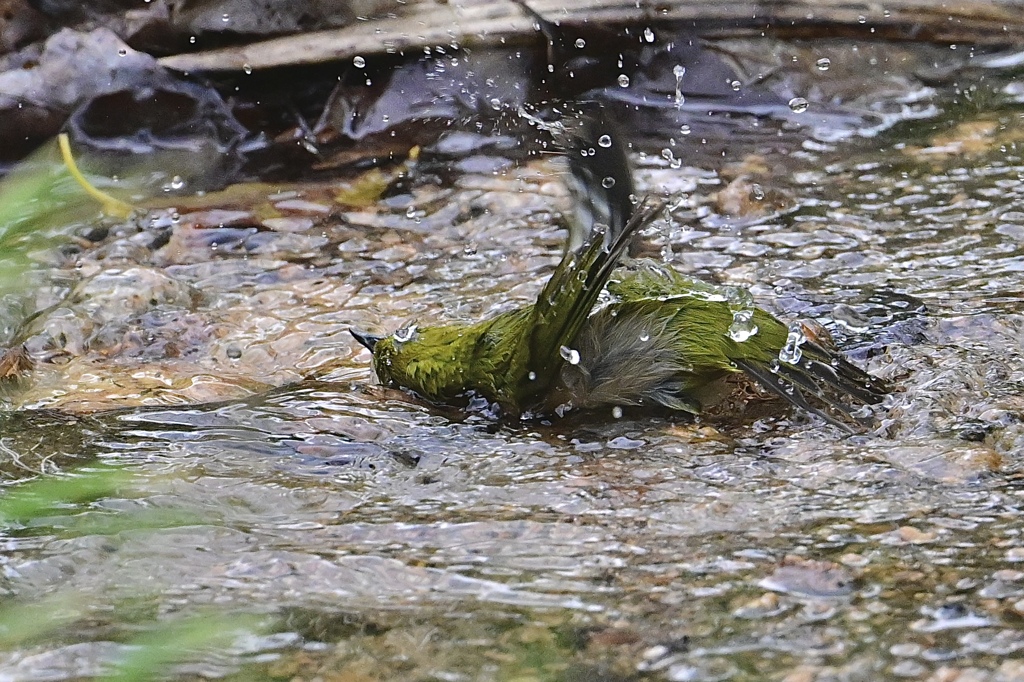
810, 578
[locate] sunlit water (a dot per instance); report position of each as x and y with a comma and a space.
386, 539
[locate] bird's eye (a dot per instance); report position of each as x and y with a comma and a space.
405, 334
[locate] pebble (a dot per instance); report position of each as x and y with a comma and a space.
915, 536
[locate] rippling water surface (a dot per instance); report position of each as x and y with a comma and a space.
384, 539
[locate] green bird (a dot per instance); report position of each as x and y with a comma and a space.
661, 340
665, 340
515, 358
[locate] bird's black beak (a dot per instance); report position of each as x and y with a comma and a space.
365, 338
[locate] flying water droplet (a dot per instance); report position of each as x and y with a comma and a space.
608, 182
604, 141
679, 71
798, 105
532, 376
645, 336
358, 62
823, 64
673, 162
623, 80
757, 192
581, 43
617, 412
570, 355
176, 183
649, 35
791, 352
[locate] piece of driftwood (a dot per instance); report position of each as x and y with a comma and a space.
480, 23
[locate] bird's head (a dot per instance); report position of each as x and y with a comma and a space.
419, 359
387, 351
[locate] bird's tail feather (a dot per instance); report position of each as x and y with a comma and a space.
823, 374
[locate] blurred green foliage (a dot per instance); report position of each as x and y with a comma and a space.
61, 502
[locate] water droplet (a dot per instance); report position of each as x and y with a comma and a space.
617, 412
685, 129
608, 182
757, 192
122, 52
570, 355
358, 62
679, 71
225, 18
581, 43
791, 352
495, 103
743, 326
623, 80
645, 336
673, 162
605, 141
735, 85
798, 105
532, 376
649, 35
823, 64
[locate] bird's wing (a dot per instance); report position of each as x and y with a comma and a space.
565, 303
